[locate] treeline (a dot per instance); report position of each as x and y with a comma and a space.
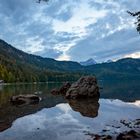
18, 66
10, 75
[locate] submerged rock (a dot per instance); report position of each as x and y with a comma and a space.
131, 135
24, 99
55, 91
107, 137
127, 135
84, 87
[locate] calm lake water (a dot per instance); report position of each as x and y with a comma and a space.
55, 118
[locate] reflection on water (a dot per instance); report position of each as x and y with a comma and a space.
1, 87
87, 108
126, 90
61, 122
9, 113
55, 120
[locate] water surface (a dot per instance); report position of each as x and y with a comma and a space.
66, 122
57, 118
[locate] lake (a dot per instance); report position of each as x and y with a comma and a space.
56, 118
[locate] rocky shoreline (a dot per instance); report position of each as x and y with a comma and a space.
129, 135
133, 132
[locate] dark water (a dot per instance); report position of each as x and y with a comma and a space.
126, 90
57, 118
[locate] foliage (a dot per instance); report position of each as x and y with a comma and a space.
18, 66
136, 14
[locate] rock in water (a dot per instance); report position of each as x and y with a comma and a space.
55, 91
85, 87
63, 89
24, 99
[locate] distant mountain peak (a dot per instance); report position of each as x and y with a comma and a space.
88, 62
109, 61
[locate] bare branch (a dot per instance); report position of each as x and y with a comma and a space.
136, 14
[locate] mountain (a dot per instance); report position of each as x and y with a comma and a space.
18, 56
126, 68
88, 62
109, 61
18, 66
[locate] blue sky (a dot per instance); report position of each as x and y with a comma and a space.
71, 29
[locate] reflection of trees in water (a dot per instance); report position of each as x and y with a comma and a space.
1, 87
10, 90
9, 113
87, 107
126, 90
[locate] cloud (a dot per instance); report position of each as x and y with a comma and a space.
109, 47
83, 15
134, 55
49, 53
71, 30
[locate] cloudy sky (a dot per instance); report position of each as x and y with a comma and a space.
71, 29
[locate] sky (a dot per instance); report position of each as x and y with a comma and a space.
71, 29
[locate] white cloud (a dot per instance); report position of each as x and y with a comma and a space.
83, 15
64, 48
133, 55
33, 45
62, 25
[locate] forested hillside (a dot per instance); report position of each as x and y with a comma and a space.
126, 68
18, 66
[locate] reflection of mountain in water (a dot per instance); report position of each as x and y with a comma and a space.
88, 107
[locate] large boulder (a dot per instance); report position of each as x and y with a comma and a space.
85, 87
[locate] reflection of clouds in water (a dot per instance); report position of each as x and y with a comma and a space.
112, 111
118, 110
31, 123
61, 122
64, 107
1, 87
120, 103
